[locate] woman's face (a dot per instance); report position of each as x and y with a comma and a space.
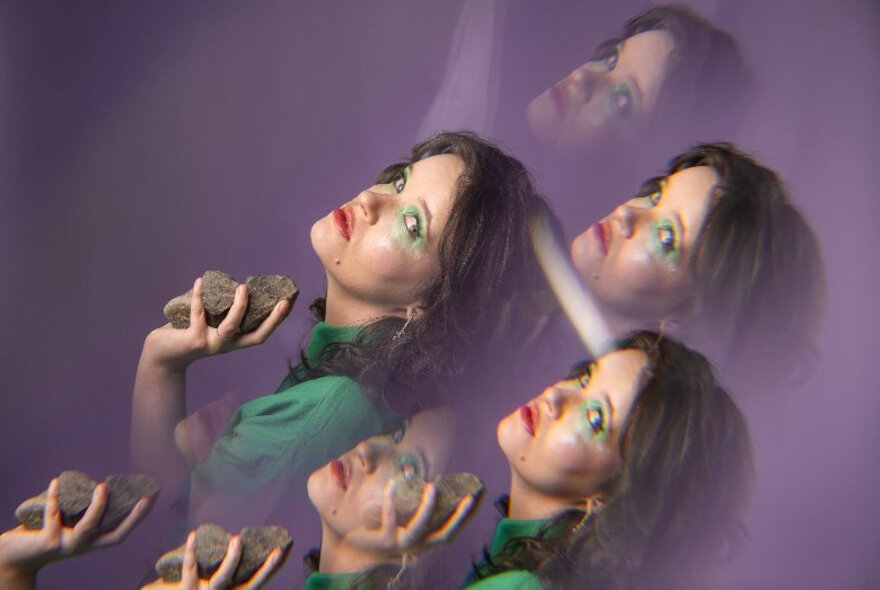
348, 491
566, 442
380, 249
636, 260
608, 97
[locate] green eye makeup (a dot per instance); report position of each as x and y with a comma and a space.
665, 242
411, 227
594, 420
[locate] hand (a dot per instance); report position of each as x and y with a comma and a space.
222, 578
178, 348
24, 552
390, 539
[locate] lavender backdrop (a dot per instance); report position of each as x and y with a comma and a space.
143, 143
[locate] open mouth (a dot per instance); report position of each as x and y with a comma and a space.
340, 473
342, 219
527, 415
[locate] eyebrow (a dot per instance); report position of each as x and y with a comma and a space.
427, 211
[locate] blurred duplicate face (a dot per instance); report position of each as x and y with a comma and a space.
611, 96
636, 261
348, 492
565, 443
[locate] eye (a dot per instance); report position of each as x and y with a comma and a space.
413, 225
397, 436
622, 102
606, 55
650, 194
666, 237
595, 415
399, 183
409, 467
584, 379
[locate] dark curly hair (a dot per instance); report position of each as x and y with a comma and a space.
486, 266
675, 503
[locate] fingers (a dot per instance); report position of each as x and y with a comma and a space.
270, 566
229, 327
52, 514
137, 514
455, 521
87, 528
222, 578
196, 310
278, 315
417, 528
189, 572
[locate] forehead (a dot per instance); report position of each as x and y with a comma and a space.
617, 375
688, 194
431, 432
646, 57
440, 171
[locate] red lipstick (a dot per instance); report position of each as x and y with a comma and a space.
340, 473
342, 219
557, 94
527, 415
600, 230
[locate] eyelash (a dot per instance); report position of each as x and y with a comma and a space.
622, 102
666, 239
409, 467
584, 379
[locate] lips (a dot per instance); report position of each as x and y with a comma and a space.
340, 472
527, 415
557, 94
602, 233
343, 220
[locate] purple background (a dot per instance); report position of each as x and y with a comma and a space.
143, 143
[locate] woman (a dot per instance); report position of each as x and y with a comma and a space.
714, 252
417, 267
362, 544
634, 468
671, 69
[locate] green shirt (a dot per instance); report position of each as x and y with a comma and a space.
506, 530
279, 439
319, 581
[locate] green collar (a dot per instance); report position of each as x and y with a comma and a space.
508, 529
325, 334
321, 581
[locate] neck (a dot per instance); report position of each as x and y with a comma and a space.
527, 503
340, 557
344, 309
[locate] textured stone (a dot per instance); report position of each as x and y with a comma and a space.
212, 542
218, 293
256, 545
124, 491
75, 491
451, 489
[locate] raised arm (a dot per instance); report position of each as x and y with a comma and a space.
159, 399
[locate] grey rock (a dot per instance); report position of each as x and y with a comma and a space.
212, 542
218, 293
123, 492
451, 489
75, 491
256, 545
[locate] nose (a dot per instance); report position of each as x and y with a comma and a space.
370, 203
626, 218
367, 453
585, 82
554, 399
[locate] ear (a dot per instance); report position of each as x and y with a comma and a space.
414, 311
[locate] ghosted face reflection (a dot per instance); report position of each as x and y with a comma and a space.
565, 443
348, 492
636, 260
610, 96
